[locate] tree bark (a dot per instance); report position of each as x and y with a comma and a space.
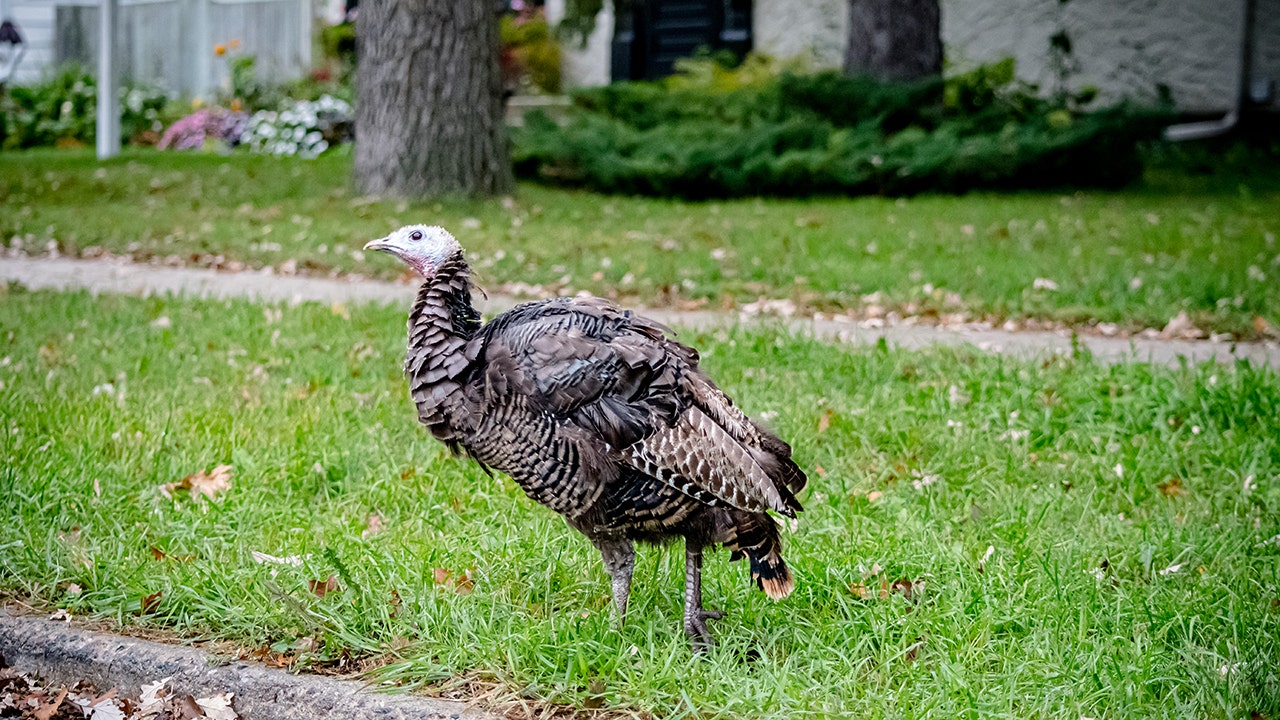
429, 120
894, 39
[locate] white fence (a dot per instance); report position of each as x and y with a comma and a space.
171, 43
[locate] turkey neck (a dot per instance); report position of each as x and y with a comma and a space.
443, 310
440, 325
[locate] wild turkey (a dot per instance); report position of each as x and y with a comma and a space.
599, 415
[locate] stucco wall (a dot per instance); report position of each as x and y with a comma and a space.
585, 65
1126, 49
812, 29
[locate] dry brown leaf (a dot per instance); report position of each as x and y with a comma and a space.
150, 603
1172, 487
462, 584
824, 420
103, 697
874, 495
218, 707
188, 709
202, 484
320, 588
159, 554
465, 583
820, 470
859, 591
46, 712
372, 526
906, 588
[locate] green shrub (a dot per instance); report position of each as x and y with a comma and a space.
710, 133
62, 110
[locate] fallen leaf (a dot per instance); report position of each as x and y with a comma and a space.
107, 711
61, 614
104, 696
859, 591
218, 707
1172, 487
188, 709
906, 588
46, 712
202, 484
824, 420
820, 471
159, 554
320, 588
462, 584
372, 526
1171, 569
150, 603
465, 583
151, 702
874, 495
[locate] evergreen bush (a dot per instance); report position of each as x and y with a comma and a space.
825, 133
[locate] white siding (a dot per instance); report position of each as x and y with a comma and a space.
160, 42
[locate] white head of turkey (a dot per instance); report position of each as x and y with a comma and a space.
422, 247
602, 416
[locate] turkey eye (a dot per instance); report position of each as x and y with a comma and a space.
415, 235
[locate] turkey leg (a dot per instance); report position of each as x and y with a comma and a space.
620, 560
696, 616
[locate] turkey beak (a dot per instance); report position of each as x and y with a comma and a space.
383, 244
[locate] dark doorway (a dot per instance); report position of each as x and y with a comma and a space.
651, 35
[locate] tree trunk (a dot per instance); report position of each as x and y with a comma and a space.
894, 39
430, 119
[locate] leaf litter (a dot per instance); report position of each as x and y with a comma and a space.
202, 485
28, 696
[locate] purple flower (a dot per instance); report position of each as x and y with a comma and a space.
191, 132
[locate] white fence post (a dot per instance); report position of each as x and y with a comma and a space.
108, 129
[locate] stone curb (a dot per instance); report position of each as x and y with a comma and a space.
63, 654
131, 278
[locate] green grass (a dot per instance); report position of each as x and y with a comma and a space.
1102, 595
1206, 246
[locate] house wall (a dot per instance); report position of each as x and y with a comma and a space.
814, 30
585, 65
35, 22
1125, 49
168, 43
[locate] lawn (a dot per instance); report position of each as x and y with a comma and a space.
1136, 258
1078, 539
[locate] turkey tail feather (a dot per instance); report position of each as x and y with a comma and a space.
771, 574
755, 536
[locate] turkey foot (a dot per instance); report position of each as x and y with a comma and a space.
696, 616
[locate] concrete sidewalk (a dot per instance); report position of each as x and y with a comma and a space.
64, 654
122, 277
